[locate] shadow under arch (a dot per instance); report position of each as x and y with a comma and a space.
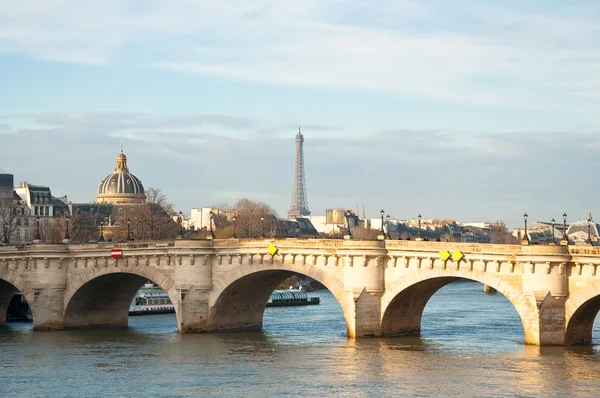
10, 284
239, 298
102, 297
405, 301
581, 310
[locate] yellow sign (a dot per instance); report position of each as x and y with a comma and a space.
445, 255
457, 255
272, 249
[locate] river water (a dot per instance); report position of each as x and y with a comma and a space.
471, 345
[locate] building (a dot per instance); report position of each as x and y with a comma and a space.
121, 186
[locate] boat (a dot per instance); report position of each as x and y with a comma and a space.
291, 297
151, 299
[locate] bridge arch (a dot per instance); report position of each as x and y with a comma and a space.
11, 283
238, 298
102, 296
581, 309
405, 299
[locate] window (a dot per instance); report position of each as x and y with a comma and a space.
26, 233
47, 210
35, 210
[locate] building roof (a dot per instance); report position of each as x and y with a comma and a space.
121, 185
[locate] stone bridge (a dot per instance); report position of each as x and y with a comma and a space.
381, 286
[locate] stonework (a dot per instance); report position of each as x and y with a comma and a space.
381, 286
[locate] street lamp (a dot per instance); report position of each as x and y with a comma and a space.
67, 236
420, 234
101, 232
262, 227
589, 220
526, 237
553, 221
180, 219
37, 233
347, 215
387, 218
382, 232
234, 235
212, 233
129, 230
565, 236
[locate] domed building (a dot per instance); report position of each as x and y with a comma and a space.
121, 186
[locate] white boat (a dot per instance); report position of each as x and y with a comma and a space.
291, 298
149, 300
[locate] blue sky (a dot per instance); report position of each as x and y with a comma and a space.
474, 110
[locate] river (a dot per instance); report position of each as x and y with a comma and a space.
471, 345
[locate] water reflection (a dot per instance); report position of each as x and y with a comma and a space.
470, 344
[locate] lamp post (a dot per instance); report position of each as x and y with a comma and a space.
420, 234
565, 240
387, 219
129, 230
6, 232
525, 239
262, 227
101, 239
234, 235
347, 215
382, 232
67, 236
212, 233
37, 233
589, 220
553, 221
180, 219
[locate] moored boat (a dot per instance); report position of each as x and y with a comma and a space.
291, 297
150, 300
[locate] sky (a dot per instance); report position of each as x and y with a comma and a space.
471, 110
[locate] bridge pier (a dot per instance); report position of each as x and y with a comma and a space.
48, 308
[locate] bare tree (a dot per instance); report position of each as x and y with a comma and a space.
147, 221
9, 218
365, 233
254, 219
53, 230
84, 226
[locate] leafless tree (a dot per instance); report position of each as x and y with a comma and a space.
52, 230
83, 226
9, 218
365, 233
252, 220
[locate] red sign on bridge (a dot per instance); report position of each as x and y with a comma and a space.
116, 253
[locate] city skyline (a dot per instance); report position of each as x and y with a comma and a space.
465, 111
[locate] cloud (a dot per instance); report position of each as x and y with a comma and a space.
439, 173
511, 56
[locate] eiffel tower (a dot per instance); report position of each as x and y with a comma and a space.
299, 206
